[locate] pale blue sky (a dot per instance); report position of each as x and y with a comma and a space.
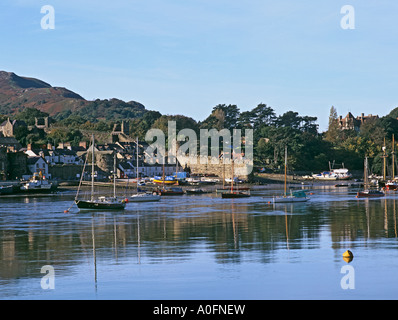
185, 57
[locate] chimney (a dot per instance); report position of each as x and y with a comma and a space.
83, 144
49, 146
29, 146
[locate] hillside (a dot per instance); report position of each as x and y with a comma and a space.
18, 93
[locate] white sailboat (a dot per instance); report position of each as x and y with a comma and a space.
297, 196
144, 196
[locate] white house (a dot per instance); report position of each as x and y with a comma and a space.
38, 165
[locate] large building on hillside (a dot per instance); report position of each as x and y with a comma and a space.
349, 122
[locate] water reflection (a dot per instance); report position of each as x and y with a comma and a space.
36, 232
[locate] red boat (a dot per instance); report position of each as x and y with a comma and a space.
370, 194
391, 186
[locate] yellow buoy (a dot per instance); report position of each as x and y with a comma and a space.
348, 256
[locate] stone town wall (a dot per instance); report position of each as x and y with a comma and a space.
215, 166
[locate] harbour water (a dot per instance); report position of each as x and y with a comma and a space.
201, 247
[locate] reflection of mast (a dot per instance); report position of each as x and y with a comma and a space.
287, 230
138, 238
94, 253
367, 216
395, 220
115, 236
234, 227
385, 217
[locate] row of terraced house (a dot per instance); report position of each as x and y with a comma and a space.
65, 162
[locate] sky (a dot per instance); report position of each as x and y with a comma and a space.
187, 56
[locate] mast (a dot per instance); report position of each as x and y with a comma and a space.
286, 170
384, 160
137, 164
365, 174
393, 158
164, 160
114, 175
92, 170
232, 180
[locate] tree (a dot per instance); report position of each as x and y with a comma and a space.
289, 119
263, 115
222, 116
333, 132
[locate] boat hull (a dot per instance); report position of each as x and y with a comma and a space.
289, 199
146, 198
93, 205
171, 193
229, 195
370, 194
6, 190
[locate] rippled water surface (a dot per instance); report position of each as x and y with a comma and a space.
201, 247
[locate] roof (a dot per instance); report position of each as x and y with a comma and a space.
33, 160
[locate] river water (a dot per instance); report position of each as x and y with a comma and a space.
201, 247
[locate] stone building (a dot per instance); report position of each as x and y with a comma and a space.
121, 132
3, 163
8, 127
349, 122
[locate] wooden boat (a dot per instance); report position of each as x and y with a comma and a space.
370, 194
298, 196
234, 193
171, 192
102, 202
367, 192
197, 191
223, 190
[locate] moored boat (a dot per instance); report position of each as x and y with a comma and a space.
297, 196
167, 180
37, 184
144, 197
197, 191
173, 191
367, 192
102, 202
235, 194
6, 189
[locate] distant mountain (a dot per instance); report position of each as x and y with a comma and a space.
17, 93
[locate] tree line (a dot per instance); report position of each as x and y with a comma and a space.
308, 149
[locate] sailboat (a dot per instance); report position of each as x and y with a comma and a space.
234, 193
367, 192
174, 191
297, 196
391, 184
102, 202
142, 197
